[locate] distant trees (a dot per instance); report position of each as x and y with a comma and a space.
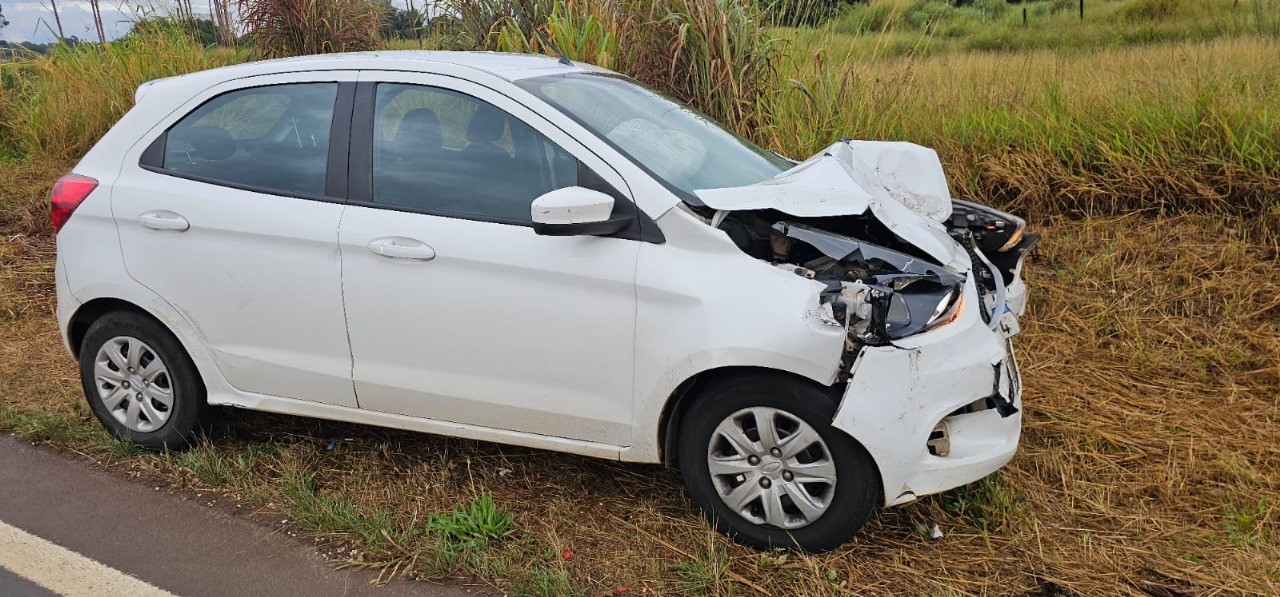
400, 23
44, 48
219, 26
220, 18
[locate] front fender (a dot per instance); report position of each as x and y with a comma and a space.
703, 304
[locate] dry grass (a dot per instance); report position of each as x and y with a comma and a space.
297, 27
1149, 463
24, 195
1151, 356
57, 106
917, 27
1166, 129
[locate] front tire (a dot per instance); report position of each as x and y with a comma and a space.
140, 383
759, 456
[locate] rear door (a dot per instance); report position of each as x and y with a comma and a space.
232, 217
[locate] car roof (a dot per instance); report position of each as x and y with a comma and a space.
511, 67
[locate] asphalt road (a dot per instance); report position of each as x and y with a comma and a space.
67, 528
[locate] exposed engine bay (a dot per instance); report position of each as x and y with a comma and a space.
875, 223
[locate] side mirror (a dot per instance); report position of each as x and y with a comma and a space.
574, 211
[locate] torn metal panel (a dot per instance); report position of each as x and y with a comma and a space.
901, 184
819, 186
881, 261
845, 179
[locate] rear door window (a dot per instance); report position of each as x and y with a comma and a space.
272, 138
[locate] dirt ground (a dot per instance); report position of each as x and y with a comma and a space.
1149, 463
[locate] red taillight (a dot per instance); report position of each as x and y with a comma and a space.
67, 194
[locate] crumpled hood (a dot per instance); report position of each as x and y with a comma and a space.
902, 184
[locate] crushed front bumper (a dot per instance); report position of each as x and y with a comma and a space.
961, 383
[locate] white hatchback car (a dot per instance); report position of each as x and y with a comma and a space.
523, 250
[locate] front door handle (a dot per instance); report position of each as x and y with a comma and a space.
164, 220
399, 247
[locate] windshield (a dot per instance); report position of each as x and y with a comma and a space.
681, 147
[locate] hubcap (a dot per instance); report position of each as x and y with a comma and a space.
133, 384
771, 467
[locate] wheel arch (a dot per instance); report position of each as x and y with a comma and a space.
687, 393
91, 311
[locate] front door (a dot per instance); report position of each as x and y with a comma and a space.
456, 309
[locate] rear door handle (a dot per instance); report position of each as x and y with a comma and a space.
399, 247
164, 220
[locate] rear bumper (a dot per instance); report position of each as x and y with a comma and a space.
898, 395
67, 304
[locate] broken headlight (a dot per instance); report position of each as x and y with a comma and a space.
881, 293
917, 308
947, 310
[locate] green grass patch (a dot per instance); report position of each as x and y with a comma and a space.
475, 523
705, 574
331, 513
59, 428
225, 467
1243, 526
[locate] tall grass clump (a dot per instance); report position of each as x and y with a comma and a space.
297, 27
58, 104
805, 13
8, 108
473, 24
1152, 10
717, 55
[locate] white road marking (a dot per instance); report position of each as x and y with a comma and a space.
64, 571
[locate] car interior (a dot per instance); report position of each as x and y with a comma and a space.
496, 169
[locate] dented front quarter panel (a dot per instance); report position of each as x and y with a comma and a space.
897, 394
702, 304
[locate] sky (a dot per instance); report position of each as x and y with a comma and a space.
32, 20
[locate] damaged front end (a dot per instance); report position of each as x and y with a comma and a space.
899, 260
875, 223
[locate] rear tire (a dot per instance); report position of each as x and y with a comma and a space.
812, 491
140, 383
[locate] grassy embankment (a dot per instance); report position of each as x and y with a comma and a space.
916, 27
1151, 354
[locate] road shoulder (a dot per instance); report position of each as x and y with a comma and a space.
172, 543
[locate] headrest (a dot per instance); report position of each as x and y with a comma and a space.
421, 127
208, 142
487, 124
